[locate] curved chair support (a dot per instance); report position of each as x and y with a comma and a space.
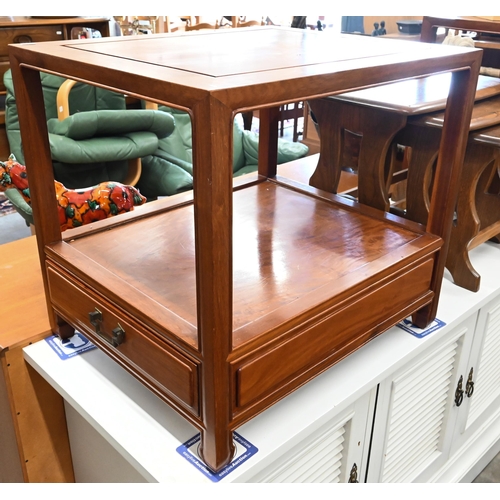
134, 172
63, 112
62, 99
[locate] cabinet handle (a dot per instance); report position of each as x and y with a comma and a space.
353, 476
459, 393
469, 386
117, 334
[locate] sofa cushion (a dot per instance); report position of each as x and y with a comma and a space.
238, 149
99, 149
111, 123
161, 177
287, 150
180, 144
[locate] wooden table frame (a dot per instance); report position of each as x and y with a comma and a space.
219, 377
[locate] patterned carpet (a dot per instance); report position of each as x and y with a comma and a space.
6, 207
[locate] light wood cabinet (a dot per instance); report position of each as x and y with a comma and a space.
417, 410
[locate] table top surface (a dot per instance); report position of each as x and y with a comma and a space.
482, 20
242, 66
419, 95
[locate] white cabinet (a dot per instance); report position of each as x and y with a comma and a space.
437, 419
336, 452
481, 375
416, 411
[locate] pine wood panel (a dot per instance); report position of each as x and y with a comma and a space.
36, 410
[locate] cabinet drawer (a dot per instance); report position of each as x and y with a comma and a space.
148, 358
28, 34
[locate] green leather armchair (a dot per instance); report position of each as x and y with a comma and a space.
92, 136
169, 170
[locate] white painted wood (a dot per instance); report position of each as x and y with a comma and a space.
487, 368
94, 459
137, 424
415, 415
329, 453
485, 361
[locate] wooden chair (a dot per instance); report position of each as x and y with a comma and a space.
167, 24
251, 22
136, 25
291, 111
201, 26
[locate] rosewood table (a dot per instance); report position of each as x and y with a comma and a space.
224, 300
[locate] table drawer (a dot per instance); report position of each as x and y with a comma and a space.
28, 34
333, 337
155, 363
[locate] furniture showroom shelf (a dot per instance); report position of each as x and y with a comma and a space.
224, 303
114, 419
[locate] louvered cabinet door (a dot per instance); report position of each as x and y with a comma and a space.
336, 452
416, 411
481, 376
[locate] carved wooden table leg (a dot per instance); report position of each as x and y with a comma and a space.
478, 207
424, 147
468, 222
376, 129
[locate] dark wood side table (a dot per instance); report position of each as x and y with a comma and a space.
222, 302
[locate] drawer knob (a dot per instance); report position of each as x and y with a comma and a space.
117, 334
95, 318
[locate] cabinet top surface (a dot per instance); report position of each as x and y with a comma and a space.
234, 59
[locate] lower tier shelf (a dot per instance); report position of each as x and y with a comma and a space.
314, 278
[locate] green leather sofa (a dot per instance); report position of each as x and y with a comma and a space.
169, 170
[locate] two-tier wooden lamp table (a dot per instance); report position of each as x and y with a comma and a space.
226, 301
